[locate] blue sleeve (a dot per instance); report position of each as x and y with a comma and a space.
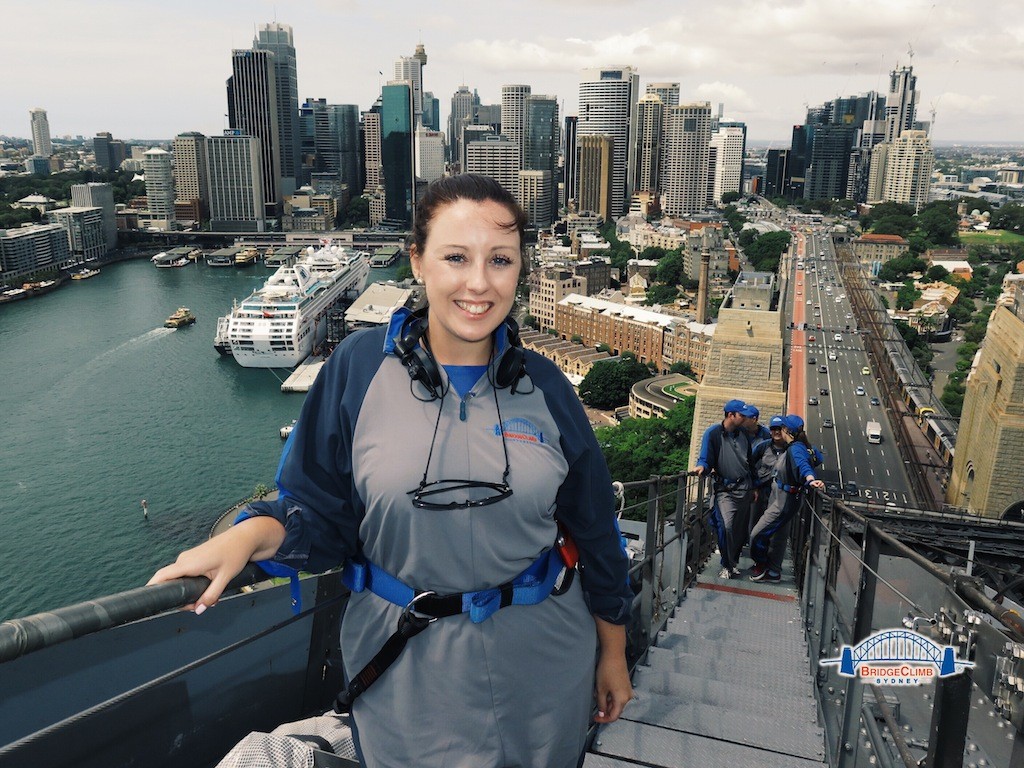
803, 461
585, 503
705, 447
317, 501
758, 450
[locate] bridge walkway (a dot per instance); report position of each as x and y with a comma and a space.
727, 684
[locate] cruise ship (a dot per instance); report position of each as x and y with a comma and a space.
283, 321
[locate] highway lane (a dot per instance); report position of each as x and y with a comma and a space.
876, 469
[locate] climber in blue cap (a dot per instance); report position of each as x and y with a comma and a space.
725, 453
792, 476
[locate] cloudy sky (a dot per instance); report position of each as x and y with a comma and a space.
142, 69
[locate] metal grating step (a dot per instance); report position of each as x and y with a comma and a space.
666, 748
792, 654
771, 731
791, 704
769, 678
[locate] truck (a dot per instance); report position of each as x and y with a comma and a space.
874, 432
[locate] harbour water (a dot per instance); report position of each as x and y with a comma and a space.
102, 407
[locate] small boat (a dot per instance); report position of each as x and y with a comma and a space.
182, 317
84, 274
221, 340
286, 430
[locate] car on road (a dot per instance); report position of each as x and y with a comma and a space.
808, 301
838, 337
822, 369
823, 391
860, 391
827, 423
875, 401
865, 371
833, 489
850, 489
812, 361
812, 401
811, 338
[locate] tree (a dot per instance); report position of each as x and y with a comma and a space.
767, 248
1010, 218
653, 253
939, 222
661, 294
531, 322
746, 237
639, 448
681, 367
730, 197
576, 339
669, 269
907, 295
884, 210
608, 383
894, 225
937, 273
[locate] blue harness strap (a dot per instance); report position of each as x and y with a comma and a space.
789, 488
273, 568
530, 587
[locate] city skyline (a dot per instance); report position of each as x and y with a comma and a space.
966, 72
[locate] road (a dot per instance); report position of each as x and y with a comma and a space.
829, 355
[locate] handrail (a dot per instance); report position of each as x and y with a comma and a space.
19, 637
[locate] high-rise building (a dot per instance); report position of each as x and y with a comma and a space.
541, 143
597, 175
431, 111
828, 171
535, 197
513, 114
101, 151
343, 128
462, 113
496, 156
685, 179
252, 91
41, 146
190, 171
277, 38
235, 179
729, 145
429, 154
471, 133
901, 103
669, 95
160, 187
607, 107
312, 121
84, 227
650, 119
908, 169
371, 148
410, 69
570, 162
776, 177
398, 162
93, 195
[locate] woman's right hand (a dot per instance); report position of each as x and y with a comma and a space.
221, 558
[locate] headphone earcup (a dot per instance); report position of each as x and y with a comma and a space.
417, 360
511, 367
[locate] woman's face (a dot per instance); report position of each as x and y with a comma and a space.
470, 268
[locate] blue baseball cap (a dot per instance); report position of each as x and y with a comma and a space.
750, 411
734, 406
793, 423
776, 421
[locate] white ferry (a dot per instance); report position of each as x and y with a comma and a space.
280, 324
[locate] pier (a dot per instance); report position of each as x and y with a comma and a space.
304, 375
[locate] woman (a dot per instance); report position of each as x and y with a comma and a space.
792, 474
441, 453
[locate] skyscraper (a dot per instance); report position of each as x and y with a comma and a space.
901, 103
597, 175
669, 95
190, 170
908, 169
570, 162
410, 68
496, 156
462, 112
650, 119
828, 171
398, 165
41, 146
277, 38
607, 107
431, 111
93, 195
343, 129
540, 146
535, 197
252, 90
101, 150
513, 114
729, 144
429, 154
685, 180
160, 187
371, 148
234, 178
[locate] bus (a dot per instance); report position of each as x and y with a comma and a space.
874, 432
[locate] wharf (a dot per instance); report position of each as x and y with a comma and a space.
726, 684
304, 375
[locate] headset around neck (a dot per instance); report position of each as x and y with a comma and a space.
421, 366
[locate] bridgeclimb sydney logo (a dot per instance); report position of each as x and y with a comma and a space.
898, 657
